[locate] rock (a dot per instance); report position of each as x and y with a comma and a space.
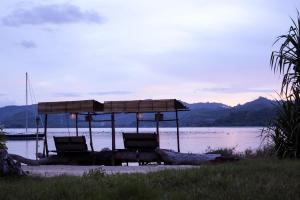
8, 166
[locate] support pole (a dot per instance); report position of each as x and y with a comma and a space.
76, 123
45, 152
37, 137
113, 137
137, 122
90, 131
157, 128
26, 123
177, 130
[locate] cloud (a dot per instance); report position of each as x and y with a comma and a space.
110, 93
67, 94
51, 14
234, 90
27, 44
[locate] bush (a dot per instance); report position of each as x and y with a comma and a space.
2, 140
284, 130
266, 151
227, 152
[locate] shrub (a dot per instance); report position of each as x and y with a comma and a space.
2, 140
227, 152
284, 130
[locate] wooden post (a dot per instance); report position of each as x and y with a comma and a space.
90, 131
37, 137
157, 128
26, 125
137, 122
76, 123
177, 130
45, 135
113, 137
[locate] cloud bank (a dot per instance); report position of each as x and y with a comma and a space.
235, 90
27, 44
110, 93
67, 94
51, 14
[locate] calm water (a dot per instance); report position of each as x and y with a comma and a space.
194, 140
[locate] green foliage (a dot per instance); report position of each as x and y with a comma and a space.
95, 173
284, 130
2, 140
265, 151
287, 59
249, 179
227, 152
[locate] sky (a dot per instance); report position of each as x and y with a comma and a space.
192, 50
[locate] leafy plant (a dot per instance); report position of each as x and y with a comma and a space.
98, 173
2, 141
287, 59
227, 152
284, 130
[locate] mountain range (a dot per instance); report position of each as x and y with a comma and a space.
254, 113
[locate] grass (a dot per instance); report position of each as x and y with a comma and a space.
248, 179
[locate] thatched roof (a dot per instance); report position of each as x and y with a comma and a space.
163, 105
70, 107
92, 106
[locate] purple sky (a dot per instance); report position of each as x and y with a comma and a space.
193, 50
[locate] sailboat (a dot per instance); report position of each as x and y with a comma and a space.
24, 136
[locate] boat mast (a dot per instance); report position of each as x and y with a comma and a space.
26, 103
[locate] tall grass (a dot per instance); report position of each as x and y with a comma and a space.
248, 179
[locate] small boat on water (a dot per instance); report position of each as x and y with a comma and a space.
23, 136
20, 136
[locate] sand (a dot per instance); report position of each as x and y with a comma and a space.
58, 170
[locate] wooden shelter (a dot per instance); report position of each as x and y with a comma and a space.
88, 107
92, 107
148, 106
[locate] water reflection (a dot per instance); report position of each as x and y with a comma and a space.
194, 140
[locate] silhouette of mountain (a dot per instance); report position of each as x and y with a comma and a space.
257, 104
254, 113
207, 106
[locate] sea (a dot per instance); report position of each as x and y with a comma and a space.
192, 139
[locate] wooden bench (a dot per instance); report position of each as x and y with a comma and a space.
140, 141
70, 145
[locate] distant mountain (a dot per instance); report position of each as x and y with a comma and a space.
255, 113
15, 116
207, 106
257, 104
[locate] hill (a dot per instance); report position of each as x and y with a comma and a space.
255, 113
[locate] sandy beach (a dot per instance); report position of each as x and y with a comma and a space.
58, 170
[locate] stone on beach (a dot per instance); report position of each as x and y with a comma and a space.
8, 166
